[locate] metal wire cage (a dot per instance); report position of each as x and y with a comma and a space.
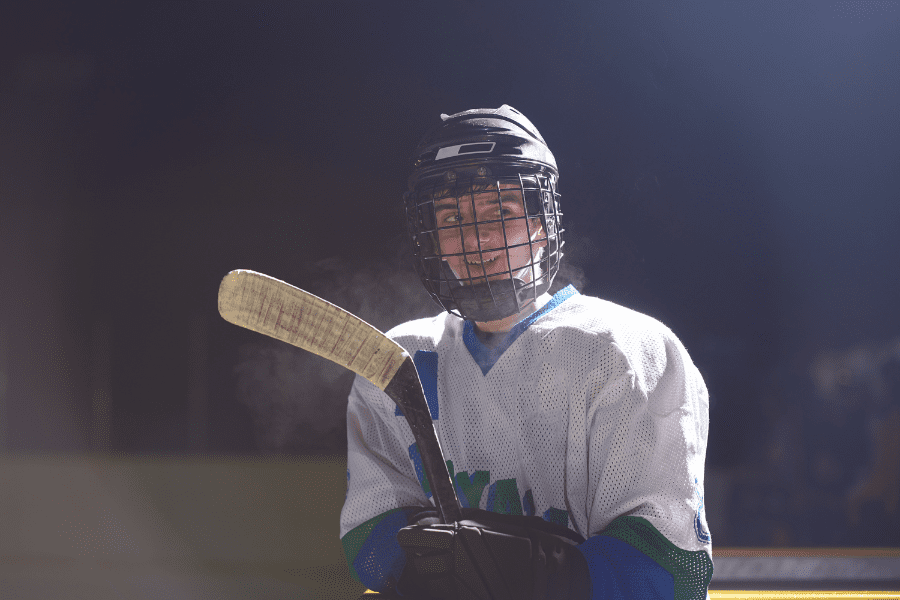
482, 295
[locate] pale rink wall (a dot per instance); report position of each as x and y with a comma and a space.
95, 527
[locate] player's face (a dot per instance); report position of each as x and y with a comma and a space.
459, 236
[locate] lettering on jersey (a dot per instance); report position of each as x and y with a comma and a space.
555, 515
503, 497
427, 367
528, 503
703, 534
469, 488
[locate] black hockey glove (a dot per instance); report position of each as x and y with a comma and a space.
489, 556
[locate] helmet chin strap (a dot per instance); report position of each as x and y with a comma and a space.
483, 302
525, 271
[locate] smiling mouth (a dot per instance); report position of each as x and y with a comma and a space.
478, 262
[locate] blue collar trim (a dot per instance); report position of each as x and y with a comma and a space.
487, 357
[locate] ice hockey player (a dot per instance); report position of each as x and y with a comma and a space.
574, 429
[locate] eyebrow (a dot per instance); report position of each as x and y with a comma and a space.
504, 197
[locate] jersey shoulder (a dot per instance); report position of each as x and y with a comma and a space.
424, 334
650, 349
606, 319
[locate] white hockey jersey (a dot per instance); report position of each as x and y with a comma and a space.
585, 414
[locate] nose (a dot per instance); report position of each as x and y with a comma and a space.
489, 236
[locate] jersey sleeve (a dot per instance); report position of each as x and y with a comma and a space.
648, 426
382, 489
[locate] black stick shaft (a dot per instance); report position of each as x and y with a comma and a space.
405, 390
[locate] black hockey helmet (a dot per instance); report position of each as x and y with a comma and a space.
469, 153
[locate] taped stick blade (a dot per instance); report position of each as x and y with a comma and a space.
277, 309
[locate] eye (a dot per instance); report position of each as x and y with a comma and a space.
452, 218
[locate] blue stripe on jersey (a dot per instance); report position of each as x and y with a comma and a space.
426, 363
380, 559
486, 357
620, 571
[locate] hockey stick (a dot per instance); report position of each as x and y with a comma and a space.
279, 310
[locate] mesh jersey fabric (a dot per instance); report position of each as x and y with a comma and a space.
586, 413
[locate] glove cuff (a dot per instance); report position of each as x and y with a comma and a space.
411, 584
574, 581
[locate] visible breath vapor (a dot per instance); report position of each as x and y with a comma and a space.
299, 400
574, 254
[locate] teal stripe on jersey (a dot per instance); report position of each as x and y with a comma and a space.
486, 357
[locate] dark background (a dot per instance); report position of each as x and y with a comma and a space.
730, 168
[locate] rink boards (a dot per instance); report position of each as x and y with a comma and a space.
217, 527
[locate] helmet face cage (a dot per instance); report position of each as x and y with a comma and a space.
486, 296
